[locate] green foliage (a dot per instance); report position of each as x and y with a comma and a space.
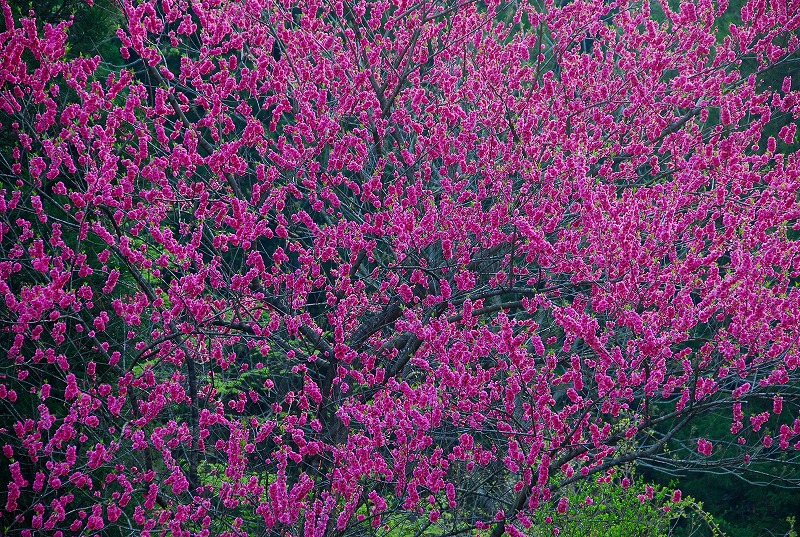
640, 509
93, 26
742, 504
741, 510
792, 532
609, 510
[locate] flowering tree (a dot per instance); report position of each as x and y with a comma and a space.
333, 268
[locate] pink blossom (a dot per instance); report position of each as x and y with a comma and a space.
303, 269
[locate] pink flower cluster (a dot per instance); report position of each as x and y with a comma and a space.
322, 268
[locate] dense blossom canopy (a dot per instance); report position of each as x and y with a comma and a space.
314, 268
